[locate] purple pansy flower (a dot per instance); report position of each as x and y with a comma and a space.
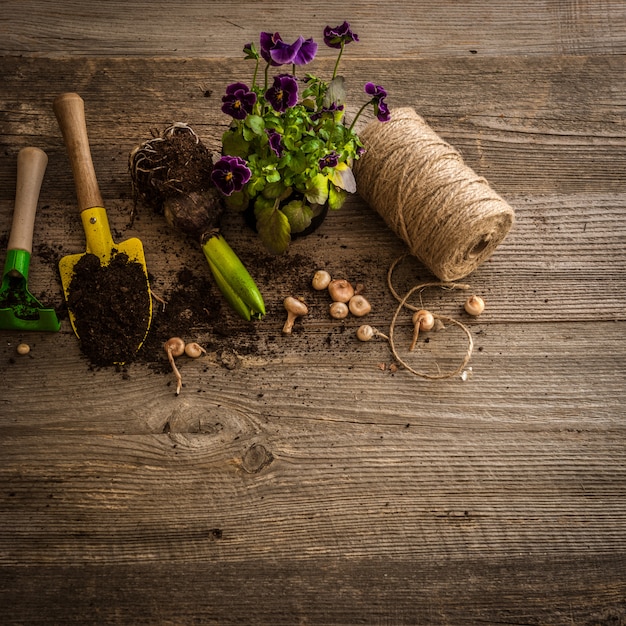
378, 94
238, 101
376, 91
338, 36
230, 174
276, 52
306, 53
283, 93
330, 160
275, 141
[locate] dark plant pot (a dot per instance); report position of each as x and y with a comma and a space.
316, 222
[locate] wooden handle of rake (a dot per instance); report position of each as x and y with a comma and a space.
31, 166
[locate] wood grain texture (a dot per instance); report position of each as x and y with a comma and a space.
309, 482
204, 29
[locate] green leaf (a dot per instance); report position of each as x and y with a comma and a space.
299, 215
298, 162
312, 145
237, 201
274, 190
255, 123
273, 176
336, 197
255, 185
317, 189
234, 144
273, 228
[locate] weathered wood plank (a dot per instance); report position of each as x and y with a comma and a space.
326, 591
399, 29
508, 484
515, 509
525, 377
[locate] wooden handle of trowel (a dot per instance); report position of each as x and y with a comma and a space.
69, 109
31, 166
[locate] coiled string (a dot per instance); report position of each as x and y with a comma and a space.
448, 216
403, 303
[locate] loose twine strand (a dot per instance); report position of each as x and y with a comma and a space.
448, 216
403, 303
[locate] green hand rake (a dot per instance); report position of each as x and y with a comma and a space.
19, 309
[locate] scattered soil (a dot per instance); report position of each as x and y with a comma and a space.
196, 311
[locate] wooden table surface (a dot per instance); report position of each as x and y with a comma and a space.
307, 481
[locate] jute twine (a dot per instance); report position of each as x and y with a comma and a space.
404, 303
448, 216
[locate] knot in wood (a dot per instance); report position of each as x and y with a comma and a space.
255, 458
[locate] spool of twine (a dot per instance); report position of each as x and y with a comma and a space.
448, 216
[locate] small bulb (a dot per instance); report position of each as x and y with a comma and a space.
365, 332
424, 318
338, 310
321, 280
295, 308
359, 306
194, 350
23, 348
340, 290
474, 305
174, 346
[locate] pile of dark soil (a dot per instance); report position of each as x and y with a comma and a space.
111, 308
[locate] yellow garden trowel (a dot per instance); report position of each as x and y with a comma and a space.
19, 309
69, 109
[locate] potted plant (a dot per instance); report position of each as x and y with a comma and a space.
287, 156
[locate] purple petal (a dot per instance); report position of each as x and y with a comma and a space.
267, 42
283, 53
306, 53
233, 87
376, 91
382, 111
275, 142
